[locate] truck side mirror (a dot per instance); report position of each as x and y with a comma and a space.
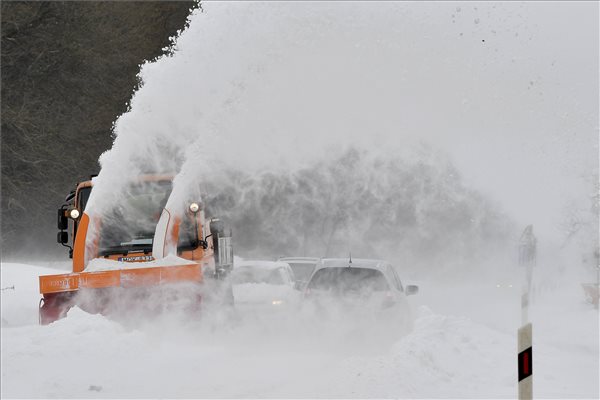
63, 221
62, 237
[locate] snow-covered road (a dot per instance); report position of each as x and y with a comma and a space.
462, 345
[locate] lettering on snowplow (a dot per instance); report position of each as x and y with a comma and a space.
136, 258
63, 283
58, 283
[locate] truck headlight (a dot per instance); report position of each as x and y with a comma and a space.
277, 302
74, 213
194, 207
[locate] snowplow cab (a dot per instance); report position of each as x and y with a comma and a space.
136, 246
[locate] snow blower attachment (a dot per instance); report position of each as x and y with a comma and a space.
136, 254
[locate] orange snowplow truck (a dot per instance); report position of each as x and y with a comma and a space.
137, 253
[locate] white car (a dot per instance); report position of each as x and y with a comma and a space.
352, 284
303, 268
258, 283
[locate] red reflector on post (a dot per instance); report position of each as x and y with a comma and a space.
525, 363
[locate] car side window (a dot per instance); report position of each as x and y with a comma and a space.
395, 278
285, 275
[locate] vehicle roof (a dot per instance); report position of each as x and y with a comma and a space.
356, 262
271, 265
306, 260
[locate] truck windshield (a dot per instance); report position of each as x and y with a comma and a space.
130, 225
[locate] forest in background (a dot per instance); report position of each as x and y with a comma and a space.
68, 70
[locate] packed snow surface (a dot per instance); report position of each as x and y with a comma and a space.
461, 344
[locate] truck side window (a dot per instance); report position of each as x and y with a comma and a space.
187, 234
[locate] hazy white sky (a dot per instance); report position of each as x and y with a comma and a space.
509, 90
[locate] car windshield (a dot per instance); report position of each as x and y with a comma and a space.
348, 279
251, 274
302, 271
130, 225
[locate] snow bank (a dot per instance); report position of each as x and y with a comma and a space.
444, 356
457, 353
20, 292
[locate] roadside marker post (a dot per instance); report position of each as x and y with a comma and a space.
525, 360
527, 259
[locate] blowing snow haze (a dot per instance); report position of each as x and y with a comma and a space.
506, 92
428, 134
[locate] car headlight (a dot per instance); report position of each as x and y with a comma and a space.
277, 302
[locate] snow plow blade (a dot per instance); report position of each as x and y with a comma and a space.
60, 291
120, 278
